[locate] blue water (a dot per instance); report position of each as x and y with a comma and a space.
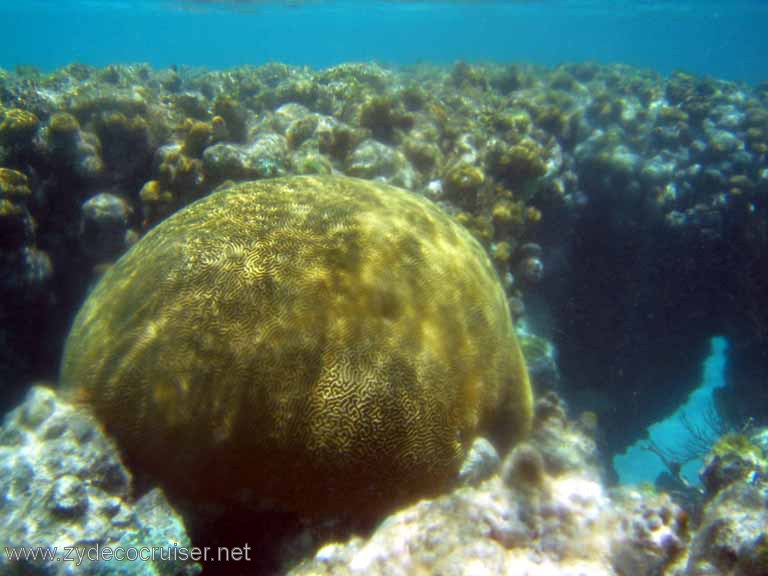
637, 465
723, 39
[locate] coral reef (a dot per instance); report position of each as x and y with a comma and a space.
732, 538
545, 512
62, 484
321, 327
640, 191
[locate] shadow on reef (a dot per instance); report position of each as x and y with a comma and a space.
264, 533
635, 309
654, 267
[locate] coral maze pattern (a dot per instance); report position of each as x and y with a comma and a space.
329, 344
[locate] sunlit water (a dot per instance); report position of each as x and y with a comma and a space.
724, 39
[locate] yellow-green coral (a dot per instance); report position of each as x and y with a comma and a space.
738, 445
311, 163
553, 119
464, 177
181, 174
18, 126
234, 116
507, 211
518, 164
156, 202
517, 122
63, 131
328, 344
462, 183
199, 135
125, 141
9, 210
63, 123
479, 226
14, 184
502, 252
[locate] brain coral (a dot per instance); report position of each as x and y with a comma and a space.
325, 344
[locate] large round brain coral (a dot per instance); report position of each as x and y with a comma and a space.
325, 344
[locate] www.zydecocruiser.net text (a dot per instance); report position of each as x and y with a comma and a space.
96, 552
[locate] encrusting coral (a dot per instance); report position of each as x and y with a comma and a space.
18, 127
14, 184
329, 345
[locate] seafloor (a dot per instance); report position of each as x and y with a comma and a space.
625, 213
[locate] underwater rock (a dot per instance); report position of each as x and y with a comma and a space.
541, 521
425, 156
301, 130
62, 484
191, 104
732, 537
462, 184
288, 114
104, 226
541, 358
69, 146
481, 462
374, 160
223, 161
562, 443
25, 271
266, 157
385, 118
608, 169
335, 138
735, 458
309, 161
319, 327
170, 80
92, 99
369, 74
35, 271
126, 143
531, 269
463, 75
63, 133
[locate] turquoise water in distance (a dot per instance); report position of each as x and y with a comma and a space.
724, 39
637, 465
